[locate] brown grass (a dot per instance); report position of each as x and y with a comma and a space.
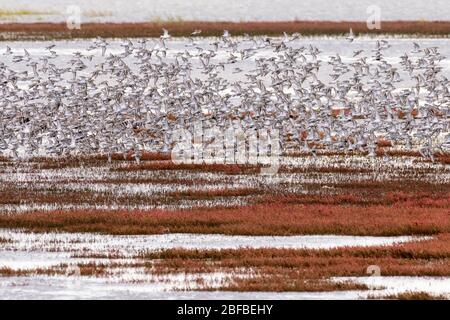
406, 205
110, 255
271, 269
287, 281
214, 193
437, 248
151, 180
95, 160
86, 269
443, 158
92, 269
403, 205
383, 143
370, 194
17, 31
250, 169
411, 296
162, 161
3, 240
9, 272
232, 169
22, 196
270, 219
169, 165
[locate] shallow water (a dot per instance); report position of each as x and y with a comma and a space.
397, 285
31, 251
53, 246
329, 46
44, 287
231, 10
60, 287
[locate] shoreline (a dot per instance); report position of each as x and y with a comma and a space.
54, 31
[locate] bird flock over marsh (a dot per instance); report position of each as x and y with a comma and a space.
104, 101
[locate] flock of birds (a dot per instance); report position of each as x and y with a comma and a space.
103, 101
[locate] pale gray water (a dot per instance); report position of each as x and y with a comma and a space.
44, 250
61, 287
61, 245
44, 287
328, 47
231, 10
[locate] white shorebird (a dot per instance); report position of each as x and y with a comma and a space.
131, 101
350, 37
